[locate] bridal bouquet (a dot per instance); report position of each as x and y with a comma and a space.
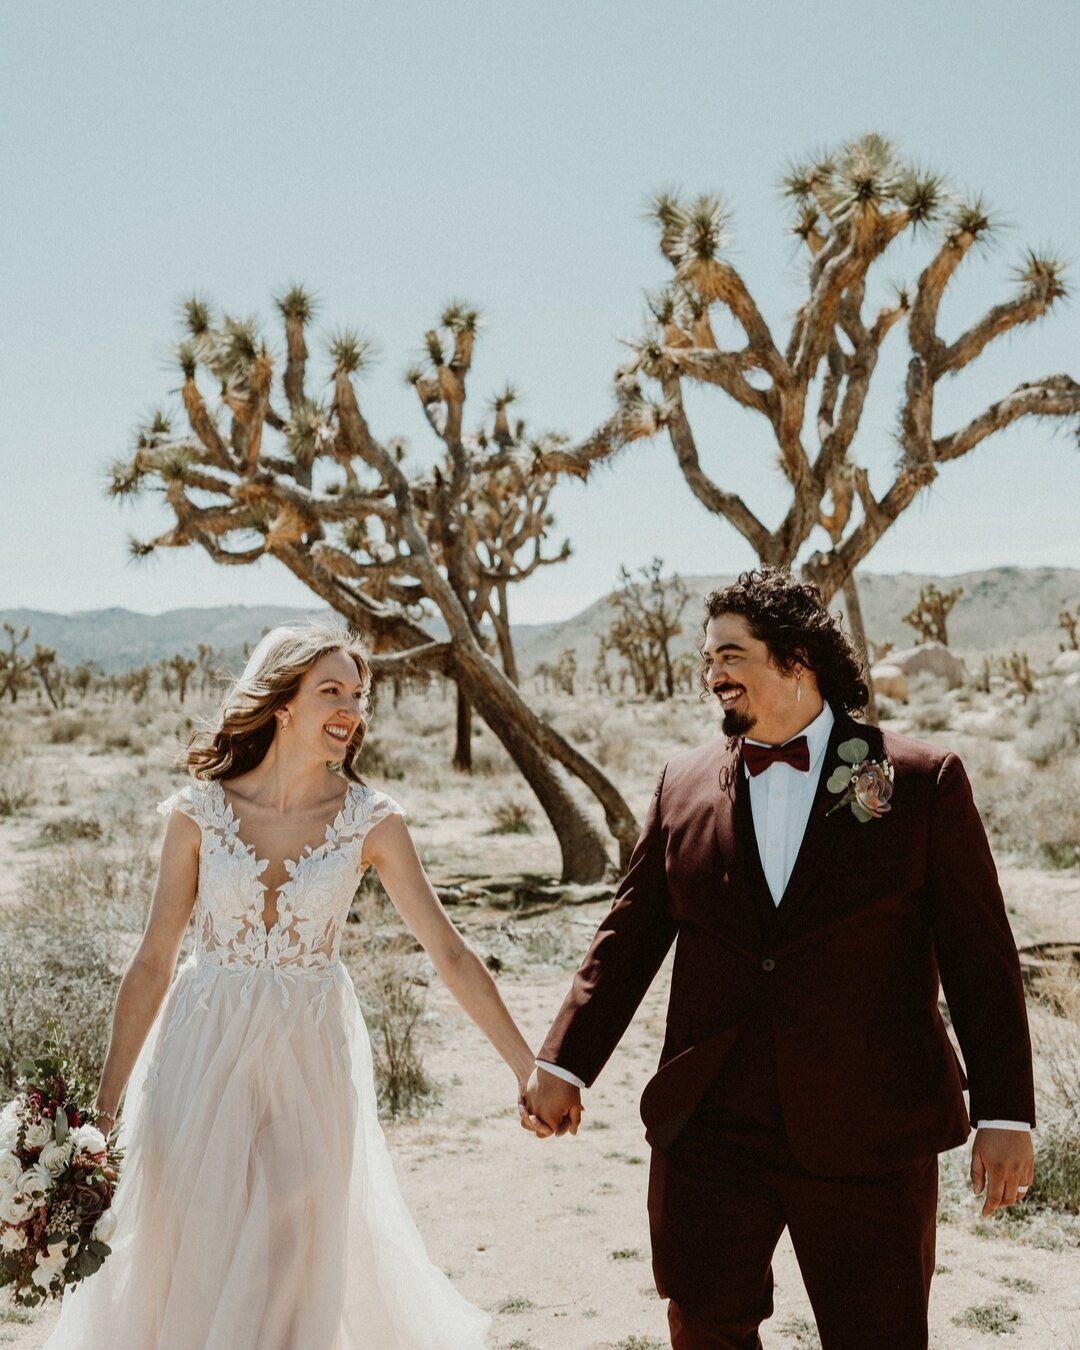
57, 1177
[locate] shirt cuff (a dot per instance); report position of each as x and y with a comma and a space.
559, 1072
1003, 1125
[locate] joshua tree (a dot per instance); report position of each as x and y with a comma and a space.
82, 677
51, 673
1018, 668
14, 669
314, 488
182, 668
1069, 622
648, 616
930, 612
137, 682
850, 208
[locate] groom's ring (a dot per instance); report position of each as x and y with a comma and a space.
1022, 1190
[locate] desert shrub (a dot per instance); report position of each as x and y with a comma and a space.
512, 817
999, 1318
63, 730
929, 717
1057, 1043
69, 828
391, 986
1057, 1166
1035, 815
63, 945
1052, 722
614, 747
16, 778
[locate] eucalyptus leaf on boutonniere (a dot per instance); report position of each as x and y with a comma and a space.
866, 784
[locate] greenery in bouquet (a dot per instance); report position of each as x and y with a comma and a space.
58, 1173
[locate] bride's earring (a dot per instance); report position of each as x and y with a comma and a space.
284, 720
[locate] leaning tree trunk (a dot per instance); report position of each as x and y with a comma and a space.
462, 762
584, 856
858, 633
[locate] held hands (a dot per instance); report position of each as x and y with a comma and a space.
549, 1105
1004, 1162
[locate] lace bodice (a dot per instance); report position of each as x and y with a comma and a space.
312, 903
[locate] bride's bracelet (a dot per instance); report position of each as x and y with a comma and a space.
100, 1111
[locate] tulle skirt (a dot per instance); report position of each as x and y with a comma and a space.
258, 1208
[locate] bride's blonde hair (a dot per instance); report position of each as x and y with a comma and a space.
245, 723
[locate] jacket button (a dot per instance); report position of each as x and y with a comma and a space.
768, 964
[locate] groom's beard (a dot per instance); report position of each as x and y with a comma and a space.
736, 722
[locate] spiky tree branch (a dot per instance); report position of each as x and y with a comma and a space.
851, 207
329, 500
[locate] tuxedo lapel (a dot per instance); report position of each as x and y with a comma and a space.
742, 874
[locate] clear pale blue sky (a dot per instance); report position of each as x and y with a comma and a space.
393, 156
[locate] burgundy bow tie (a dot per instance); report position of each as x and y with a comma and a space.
757, 758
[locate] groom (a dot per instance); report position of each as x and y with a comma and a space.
818, 878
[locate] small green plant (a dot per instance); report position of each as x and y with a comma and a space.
626, 1254
518, 1303
999, 1318
513, 817
70, 828
802, 1332
1021, 1285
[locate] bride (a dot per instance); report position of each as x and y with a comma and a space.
258, 1208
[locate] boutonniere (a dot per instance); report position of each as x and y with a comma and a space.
866, 784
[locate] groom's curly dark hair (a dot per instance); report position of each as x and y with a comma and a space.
790, 617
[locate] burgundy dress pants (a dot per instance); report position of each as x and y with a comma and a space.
720, 1198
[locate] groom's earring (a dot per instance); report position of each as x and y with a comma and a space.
798, 688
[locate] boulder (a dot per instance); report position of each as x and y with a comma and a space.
889, 681
934, 658
1066, 663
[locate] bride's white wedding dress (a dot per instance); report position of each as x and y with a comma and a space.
258, 1208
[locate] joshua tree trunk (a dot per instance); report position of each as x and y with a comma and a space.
502, 635
462, 762
858, 633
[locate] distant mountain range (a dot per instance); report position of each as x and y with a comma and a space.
1001, 607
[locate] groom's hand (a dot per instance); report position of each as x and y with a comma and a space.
1004, 1162
550, 1105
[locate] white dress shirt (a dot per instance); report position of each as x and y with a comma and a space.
781, 797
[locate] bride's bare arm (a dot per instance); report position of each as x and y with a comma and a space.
390, 850
149, 972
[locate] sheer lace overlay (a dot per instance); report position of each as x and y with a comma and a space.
312, 904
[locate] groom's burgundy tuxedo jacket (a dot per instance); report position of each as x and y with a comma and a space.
821, 1012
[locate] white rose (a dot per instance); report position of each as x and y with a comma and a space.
88, 1139
55, 1157
9, 1135
105, 1227
10, 1168
38, 1132
14, 1206
12, 1240
50, 1264
34, 1182
11, 1110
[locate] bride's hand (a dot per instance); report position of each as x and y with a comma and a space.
528, 1121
